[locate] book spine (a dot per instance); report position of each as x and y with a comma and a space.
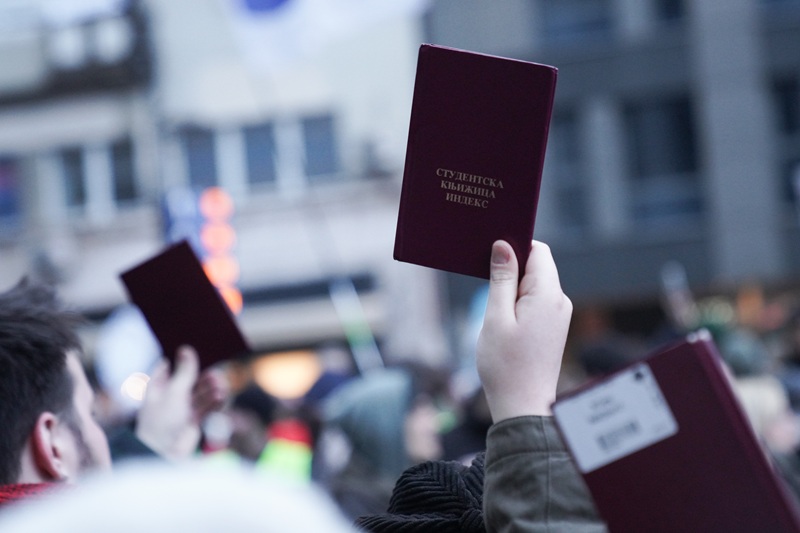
543, 148
409, 167
719, 380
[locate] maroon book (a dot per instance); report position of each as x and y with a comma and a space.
182, 306
476, 146
664, 445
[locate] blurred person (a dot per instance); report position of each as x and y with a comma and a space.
388, 425
467, 437
328, 448
790, 359
250, 414
763, 397
49, 435
193, 496
608, 353
602, 349
270, 435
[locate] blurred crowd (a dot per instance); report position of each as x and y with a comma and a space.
757, 337
404, 447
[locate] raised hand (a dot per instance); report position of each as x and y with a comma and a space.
175, 405
522, 341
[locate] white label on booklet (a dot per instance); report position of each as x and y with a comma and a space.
615, 418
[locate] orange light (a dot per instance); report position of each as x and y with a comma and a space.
221, 270
232, 297
216, 204
217, 238
287, 375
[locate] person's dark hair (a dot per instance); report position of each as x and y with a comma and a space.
36, 333
253, 399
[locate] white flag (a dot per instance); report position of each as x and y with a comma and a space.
274, 33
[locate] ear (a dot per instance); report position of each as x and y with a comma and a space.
48, 447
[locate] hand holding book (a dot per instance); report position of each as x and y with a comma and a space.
524, 333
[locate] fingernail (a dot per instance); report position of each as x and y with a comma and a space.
500, 255
183, 352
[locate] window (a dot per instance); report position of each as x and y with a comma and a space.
73, 172
9, 189
669, 10
101, 175
301, 147
661, 135
781, 3
260, 153
663, 160
563, 161
198, 145
791, 183
321, 153
786, 106
567, 21
786, 102
124, 175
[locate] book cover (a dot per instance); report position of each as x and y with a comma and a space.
664, 445
182, 306
474, 158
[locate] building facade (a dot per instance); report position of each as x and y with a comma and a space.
126, 109
675, 137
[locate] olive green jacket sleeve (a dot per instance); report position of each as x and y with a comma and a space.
531, 484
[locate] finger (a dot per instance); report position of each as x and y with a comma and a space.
203, 405
541, 282
187, 367
211, 392
540, 270
212, 379
503, 279
160, 373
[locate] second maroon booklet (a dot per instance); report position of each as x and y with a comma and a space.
181, 306
476, 146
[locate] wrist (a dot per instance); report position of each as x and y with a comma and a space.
148, 439
503, 408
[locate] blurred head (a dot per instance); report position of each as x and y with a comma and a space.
421, 431
390, 422
85, 444
743, 351
164, 497
370, 411
250, 414
45, 399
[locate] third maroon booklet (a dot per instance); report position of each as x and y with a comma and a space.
664, 445
476, 146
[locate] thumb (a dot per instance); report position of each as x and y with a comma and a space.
187, 366
160, 374
503, 279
